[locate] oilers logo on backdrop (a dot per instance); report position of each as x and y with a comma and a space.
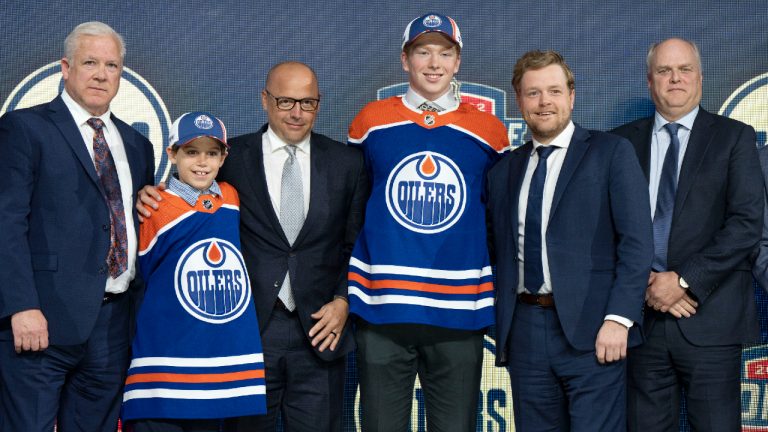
749, 104
426, 192
136, 103
485, 98
211, 282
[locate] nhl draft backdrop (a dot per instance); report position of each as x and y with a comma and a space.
195, 55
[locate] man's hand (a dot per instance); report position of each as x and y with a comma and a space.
663, 290
30, 330
611, 343
149, 196
331, 318
685, 307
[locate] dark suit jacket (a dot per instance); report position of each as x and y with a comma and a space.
715, 225
599, 241
319, 259
760, 269
55, 219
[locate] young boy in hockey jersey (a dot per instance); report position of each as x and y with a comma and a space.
420, 276
197, 355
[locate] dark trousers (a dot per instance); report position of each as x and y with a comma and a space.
667, 362
556, 387
173, 425
79, 386
307, 392
448, 363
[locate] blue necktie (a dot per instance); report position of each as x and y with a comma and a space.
534, 271
665, 200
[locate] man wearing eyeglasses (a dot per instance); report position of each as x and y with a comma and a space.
302, 197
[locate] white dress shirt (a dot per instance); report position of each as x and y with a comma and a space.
274, 160
660, 141
117, 148
554, 165
446, 103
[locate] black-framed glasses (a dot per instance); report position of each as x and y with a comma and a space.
286, 104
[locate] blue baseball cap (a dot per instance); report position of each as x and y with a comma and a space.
432, 22
197, 124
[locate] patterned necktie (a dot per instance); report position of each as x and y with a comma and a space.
291, 213
117, 260
429, 106
665, 200
534, 270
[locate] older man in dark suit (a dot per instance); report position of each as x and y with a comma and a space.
707, 203
70, 172
302, 198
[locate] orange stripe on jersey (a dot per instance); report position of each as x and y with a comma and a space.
466, 118
195, 378
172, 208
420, 286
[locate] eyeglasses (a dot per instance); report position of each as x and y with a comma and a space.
287, 104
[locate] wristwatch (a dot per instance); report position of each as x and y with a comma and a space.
683, 283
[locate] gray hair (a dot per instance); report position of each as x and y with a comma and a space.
652, 52
91, 28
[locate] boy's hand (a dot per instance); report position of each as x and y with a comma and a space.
149, 196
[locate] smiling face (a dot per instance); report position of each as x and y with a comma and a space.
291, 80
92, 75
431, 62
546, 102
674, 79
198, 161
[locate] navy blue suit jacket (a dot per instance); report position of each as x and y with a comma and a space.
55, 219
760, 269
319, 258
599, 241
716, 225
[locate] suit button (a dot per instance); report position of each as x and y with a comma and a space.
102, 270
105, 227
292, 254
277, 283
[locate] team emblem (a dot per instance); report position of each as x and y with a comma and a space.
429, 119
211, 282
749, 104
203, 122
426, 192
432, 21
207, 204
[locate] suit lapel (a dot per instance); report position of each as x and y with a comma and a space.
66, 124
641, 139
131, 152
318, 188
253, 161
698, 143
517, 166
576, 150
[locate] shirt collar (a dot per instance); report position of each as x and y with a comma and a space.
276, 144
79, 113
188, 193
685, 121
563, 140
447, 101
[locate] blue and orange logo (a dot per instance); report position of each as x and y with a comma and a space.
211, 282
426, 192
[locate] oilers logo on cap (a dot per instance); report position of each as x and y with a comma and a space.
203, 122
432, 22
193, 125
211, 282
426, 192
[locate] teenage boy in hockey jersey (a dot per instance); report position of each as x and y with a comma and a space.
420, 277
197, 355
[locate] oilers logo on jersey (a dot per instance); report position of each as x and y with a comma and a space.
426, 192
211, 282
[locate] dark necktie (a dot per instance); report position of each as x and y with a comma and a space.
534, 271
665, 200
117, 260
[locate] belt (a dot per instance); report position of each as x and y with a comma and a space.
110, 297
541, 300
